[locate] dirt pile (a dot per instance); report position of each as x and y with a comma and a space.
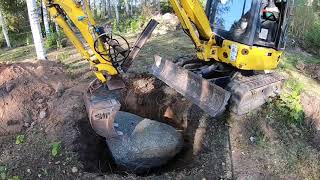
168, 22
312, 70
26, 91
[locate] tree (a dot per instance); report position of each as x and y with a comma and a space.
36, 29
109, 9
45, 18
4, 30
126, 3
103, 8
115, 4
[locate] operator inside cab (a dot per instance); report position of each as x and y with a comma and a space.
250, 22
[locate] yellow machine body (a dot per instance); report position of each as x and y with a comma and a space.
191, 13
82, 18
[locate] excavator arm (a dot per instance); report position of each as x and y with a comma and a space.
196, 24
99, 43
106, 56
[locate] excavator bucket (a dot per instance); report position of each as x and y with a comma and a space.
208, 96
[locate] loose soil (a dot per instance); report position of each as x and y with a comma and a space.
40, 102
43, 101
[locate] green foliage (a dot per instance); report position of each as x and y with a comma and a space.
289, 103
165, 7
3, 172
20, 139
54, 40
130, 24
302, 21
15, 178
313, 36
16, 14
55, 149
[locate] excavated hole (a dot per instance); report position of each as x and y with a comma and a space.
148, 98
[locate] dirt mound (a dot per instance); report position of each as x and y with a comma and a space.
312, 70
40, 102
26, 90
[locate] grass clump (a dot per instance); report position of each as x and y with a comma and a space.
289, 104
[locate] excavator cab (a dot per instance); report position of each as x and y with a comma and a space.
250, 22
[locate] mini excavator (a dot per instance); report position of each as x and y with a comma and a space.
237, 43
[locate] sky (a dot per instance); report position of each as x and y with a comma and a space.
232, 11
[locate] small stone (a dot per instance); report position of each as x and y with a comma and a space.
42, 114
56, 163
252, 139
26, 124
9, 87
59, 89
74, 170
39, 175
40, 101
32, 124
29, 171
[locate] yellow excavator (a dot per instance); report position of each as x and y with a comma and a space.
235, 43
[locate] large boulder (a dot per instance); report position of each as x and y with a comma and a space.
142, 143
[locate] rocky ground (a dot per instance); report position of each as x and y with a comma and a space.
45, 132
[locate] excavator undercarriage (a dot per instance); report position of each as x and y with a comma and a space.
216, 86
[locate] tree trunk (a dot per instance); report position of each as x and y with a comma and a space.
109, 9
131, 7
126, 4
57, 28
4, 30
95, 8
103, 8
115, 4
309, 3
36, 29
45, 18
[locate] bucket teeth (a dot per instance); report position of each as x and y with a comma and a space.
208, 96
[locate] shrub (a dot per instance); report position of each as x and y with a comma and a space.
165, 7
312, 37
129, 25
54, 40
289, 103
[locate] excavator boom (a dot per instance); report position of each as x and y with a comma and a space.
106, 56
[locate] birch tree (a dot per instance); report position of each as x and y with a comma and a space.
109, 9
4, 30
115, 5
126, 4
36, 29
45, 18
131, 7
103, 8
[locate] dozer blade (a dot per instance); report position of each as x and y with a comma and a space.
208, 96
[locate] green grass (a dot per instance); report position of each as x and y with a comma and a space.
292, 58
17, 54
